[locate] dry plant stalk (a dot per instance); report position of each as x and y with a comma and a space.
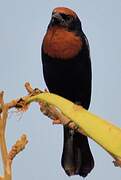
7, 157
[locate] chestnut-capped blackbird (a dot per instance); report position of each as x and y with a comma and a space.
67, 72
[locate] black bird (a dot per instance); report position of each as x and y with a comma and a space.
67, 72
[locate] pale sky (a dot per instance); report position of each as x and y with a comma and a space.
22, 27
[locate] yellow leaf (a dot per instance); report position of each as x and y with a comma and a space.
101, 131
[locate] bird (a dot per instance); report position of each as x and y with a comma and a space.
67, 72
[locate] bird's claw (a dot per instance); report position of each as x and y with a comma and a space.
72, 125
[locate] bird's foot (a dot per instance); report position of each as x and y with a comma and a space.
72, 125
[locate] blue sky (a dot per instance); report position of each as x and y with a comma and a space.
22, 27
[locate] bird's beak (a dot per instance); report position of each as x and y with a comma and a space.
57, 18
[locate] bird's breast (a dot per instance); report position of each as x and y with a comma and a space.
61, 44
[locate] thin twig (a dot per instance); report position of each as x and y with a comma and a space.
19, 103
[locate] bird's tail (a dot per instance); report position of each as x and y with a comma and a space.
77, 158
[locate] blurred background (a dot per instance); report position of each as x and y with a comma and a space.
22, 27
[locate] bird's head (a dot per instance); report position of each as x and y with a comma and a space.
65, 17
63, 39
